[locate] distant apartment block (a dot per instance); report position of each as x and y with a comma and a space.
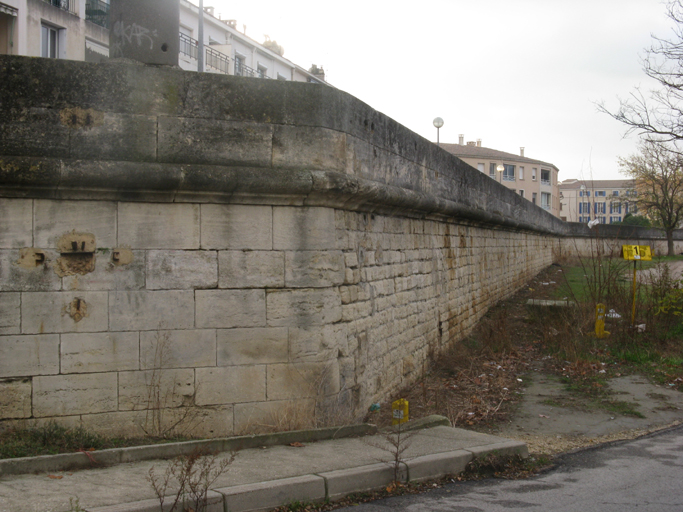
609, 201
79, 30
532, 179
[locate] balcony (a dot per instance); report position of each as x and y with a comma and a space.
188, 46
545, 182
545, 207
217, 60
508, 178
65, 5
97, 12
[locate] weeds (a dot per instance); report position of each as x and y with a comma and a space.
395, 441
505, 466
192, 477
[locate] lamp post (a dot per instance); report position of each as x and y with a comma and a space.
438, 123
500, 168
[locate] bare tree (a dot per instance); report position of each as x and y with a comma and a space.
657, 115
658, 175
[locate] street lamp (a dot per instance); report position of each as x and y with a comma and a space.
438, 123
500, 168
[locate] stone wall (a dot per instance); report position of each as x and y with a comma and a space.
230, 253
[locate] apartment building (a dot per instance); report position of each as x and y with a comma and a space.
609, 201
532, 179
78, 30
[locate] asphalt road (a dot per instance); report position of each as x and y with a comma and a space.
641, 475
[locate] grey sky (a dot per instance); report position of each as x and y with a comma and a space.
511, 72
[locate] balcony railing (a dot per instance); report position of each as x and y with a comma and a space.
545, 207
217, 60
545, 182
242, 70
97, 12
508, 178
65, 5
188, 46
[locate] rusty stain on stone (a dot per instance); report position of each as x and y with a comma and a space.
121, 256
30, 257
77, 309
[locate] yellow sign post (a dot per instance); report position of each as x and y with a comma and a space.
600, 331
636, 253
399, 411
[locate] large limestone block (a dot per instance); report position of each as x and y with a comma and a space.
177, 349
158, 226
64, 395
167, 270
10, 313
53, 219
281, 415
99, 352
116, 137
45, 312
151, 310
314, 269
302, 380
304, 307
303, 228
21, 270
309, 147
29, 355
251, 269
230, 308
231, 384
214, 142
110, 274
259, 345
15, 398
237, 226
153, 389
16, 223
316, 344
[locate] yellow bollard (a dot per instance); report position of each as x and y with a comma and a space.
399, 411
600, 331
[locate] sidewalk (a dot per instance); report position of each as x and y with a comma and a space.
260, 478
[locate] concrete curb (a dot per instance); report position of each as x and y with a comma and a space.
71, 461
334, 484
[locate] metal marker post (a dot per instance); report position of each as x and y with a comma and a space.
636, 253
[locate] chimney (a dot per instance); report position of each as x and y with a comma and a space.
461, 139
471, 143
521, 151
478, 143
209, 10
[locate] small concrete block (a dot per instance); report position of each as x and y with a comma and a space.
231, 384
167, 270
151, 310
177, 349
29, 355
214, 503
109, 275
15, 398
258, 345
251, 269
22, 270
16, 223
237, 227
437, 465
64, 395
302, 380
504, 448
230, 308
99, 352
44, 312
53, 219
264, 496
10, 313
303, 229
304, 307
158, 226
309, 147
316, 344
359, 479
155, 389
314, 269
214, 142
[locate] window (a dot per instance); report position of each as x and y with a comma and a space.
239, 65
262, 71
614, 219
615, 193
533, 197
492, 170
533, 173
599, 193
50, 41
545, 177
521, 172
584, 193
599, 207
8, 17
521, 193
545, 200
481, 167
584, 207
615, 207
281, 77
603, 220
508, 172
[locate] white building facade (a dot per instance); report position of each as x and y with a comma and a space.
608, 201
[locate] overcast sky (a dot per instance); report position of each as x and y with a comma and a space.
510, 72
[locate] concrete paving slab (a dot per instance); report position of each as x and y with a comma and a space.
258, 476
